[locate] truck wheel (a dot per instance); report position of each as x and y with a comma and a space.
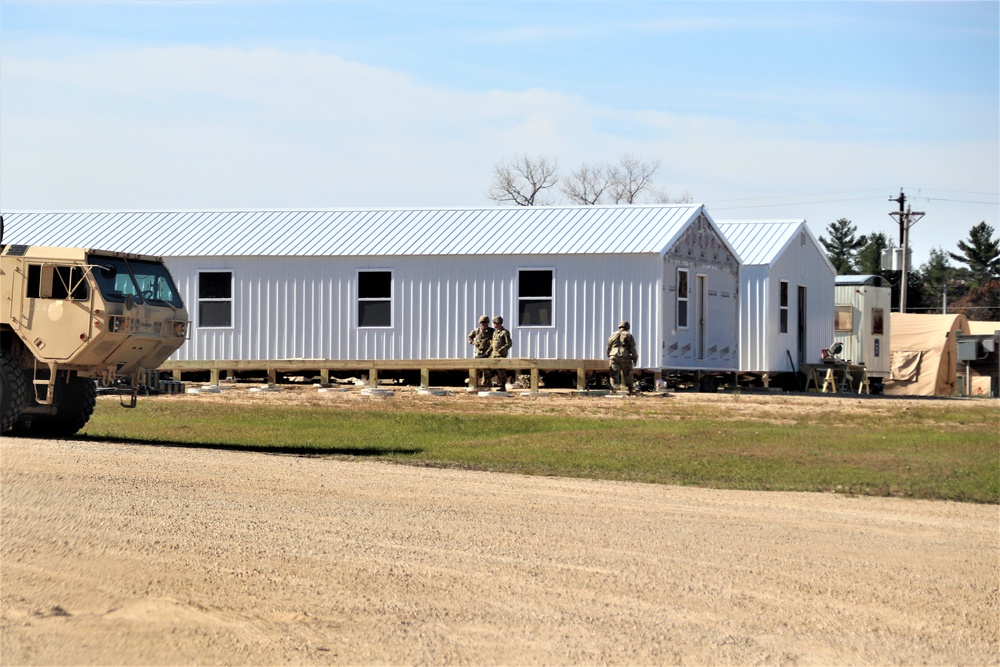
13, 392
76, 400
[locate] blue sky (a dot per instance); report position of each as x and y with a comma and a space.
815, 110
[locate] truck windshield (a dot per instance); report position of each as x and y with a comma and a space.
145, 281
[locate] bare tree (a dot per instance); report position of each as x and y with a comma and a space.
661, 196
587, 184
521, 180
631, 178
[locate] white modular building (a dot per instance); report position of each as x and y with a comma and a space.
862, 323
410, 284
786, 294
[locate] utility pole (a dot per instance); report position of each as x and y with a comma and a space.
906, 218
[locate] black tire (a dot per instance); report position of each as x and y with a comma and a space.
13, 392
75, 401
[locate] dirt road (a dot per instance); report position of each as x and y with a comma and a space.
142, 555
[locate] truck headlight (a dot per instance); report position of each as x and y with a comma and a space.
180, 329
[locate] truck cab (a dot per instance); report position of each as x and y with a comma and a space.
73, 317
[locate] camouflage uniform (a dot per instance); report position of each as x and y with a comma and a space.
499, 348
622, 355
480, 338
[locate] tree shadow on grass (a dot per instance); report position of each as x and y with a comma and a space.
263, 449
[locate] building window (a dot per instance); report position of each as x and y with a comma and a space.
535, 297
878, 321
374, 299
783, 307
682, 298
843, 318
215, 299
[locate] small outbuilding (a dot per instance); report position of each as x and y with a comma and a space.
407, 285
786, 295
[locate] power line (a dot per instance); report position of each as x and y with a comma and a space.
960, 201
812, 194
797, 197
795, 203
960, 192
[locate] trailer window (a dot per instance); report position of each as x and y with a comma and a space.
215, 299
535, 297
374, 298
783, 303
843, 318
878, 321
682, 298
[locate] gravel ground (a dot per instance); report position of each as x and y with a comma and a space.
124, 554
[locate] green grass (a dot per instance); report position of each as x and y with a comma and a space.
949, 451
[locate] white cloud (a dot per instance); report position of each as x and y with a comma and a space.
193, 127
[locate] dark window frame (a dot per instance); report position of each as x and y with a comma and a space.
683, 301
783, 307
878, 321
536, 298
374, 302
210, 305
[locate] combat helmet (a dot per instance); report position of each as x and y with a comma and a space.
624, 325
485, 319
497, 320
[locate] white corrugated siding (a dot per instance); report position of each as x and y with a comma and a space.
773, 251
304, 308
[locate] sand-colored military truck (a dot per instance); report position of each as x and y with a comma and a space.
73, 318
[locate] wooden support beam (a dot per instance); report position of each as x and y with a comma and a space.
581, 379
425, 377
359, 367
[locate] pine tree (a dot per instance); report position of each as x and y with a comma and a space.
943, 282
981, 253
843, 245
869, 258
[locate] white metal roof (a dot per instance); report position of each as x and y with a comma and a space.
761, 242
360, 232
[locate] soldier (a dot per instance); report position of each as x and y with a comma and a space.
499, 348
622, 356
480, 338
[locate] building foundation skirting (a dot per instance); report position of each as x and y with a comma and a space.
372, 367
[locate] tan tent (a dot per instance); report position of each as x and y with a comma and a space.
983, 328
923, 354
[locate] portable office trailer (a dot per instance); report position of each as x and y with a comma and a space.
862, 323
786, 297
410, 284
